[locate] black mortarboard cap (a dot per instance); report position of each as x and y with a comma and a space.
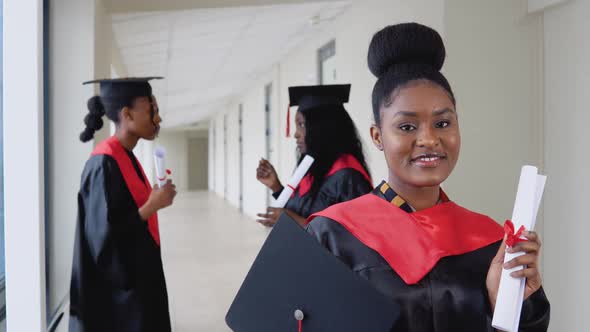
125, 87
294, 277
312, 96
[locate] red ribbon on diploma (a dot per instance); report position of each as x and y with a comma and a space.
511, 237
294, 190
164, 178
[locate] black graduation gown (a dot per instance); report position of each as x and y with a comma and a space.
451, 297
342, 186
117, 276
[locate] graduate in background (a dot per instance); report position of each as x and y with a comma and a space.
117, 276
440, 262
325, 131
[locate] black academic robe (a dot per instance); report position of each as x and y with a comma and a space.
451, 297
348, 182
117, 280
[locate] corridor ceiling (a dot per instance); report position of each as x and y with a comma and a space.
210, 54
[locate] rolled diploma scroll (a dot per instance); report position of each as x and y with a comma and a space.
511, 291
293, 182
160, 160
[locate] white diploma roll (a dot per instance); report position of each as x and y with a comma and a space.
160, 161
511, 291
293, 182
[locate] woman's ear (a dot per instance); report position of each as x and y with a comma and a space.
125, 114
377, 137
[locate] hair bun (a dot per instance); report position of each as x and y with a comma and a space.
95, 106
87, 134
93, 120
406, 43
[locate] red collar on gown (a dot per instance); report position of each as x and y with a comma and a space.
139, 190
413, 243
343, 162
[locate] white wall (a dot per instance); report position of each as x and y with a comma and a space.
198, 163
494, 64
219, 156
255, 144
144, 152
539, 5
72, 56
176, 145
212, 160
103, 44
567, 82
233, 157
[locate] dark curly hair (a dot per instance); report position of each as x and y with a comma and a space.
403, 53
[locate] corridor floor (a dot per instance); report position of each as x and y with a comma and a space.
207, 249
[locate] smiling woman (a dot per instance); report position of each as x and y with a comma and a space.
421, 146
438, 260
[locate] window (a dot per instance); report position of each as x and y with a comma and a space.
2, 266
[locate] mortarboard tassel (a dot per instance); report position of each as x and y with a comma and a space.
299, 317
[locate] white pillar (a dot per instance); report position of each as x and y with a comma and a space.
23, 165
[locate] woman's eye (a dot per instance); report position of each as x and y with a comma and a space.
407, 127
443, 124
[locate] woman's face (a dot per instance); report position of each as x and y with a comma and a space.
145, 118
300, 132
419, 135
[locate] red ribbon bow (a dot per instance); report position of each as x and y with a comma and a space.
511, 237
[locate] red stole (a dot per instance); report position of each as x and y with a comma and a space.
412, 243
139, 190
344, 162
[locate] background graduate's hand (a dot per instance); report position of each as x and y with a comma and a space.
270, 218
164, 196
266, 174
530, 260
159, 199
